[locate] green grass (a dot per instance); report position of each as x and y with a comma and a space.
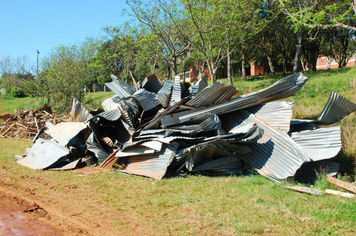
8, 105
191, 205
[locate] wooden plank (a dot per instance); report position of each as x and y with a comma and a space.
342, 184
339, 193
307, 190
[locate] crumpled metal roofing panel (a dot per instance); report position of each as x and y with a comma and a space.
65, 131
335, 109
275, 155
109, 104
152, 165
281, 89
213, 94
177, 91
147, 100
111, 115
319, 144
164, 94
78, 112
277, 114
119, 87
199, 85
43, 154
95, 148
152, 84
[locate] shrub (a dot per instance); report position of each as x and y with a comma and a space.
17, 92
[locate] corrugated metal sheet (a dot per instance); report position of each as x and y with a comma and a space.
300, 125
275, 155
213, 94
78, 112
319, 144
43, 154
141, 149
309, 172
109, 104
199, 85
95, 148
131, 111
121, 88
207, 122
177, 91
111, 115
277, 114
147, 100
152, 84
155, 122
65, 131
281, 89
224, 165
335, 109
164, 94
152, 165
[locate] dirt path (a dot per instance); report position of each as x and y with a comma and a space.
74, 214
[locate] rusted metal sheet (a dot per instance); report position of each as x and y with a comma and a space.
319, 144
348, 186
153, 166
43, 154
335, 109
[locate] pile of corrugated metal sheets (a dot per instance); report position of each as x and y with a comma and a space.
158, 128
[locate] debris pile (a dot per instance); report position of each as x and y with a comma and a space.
27, 124
160, 128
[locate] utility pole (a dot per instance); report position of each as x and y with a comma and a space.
38, 53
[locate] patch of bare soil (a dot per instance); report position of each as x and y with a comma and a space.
18, 219
24, 210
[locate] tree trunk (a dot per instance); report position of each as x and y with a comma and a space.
270, 64
229, 79
243, 70
298, 52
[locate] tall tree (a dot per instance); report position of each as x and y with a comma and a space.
165, 19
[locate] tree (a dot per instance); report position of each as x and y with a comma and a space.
324, 14
165, 19
64, 76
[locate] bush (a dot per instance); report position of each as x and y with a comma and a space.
17, 92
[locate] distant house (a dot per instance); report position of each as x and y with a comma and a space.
326, 63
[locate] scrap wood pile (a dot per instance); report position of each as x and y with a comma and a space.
166, 127
26, 124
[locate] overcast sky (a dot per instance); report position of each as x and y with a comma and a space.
30, 25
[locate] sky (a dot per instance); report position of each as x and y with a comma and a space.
30, 25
